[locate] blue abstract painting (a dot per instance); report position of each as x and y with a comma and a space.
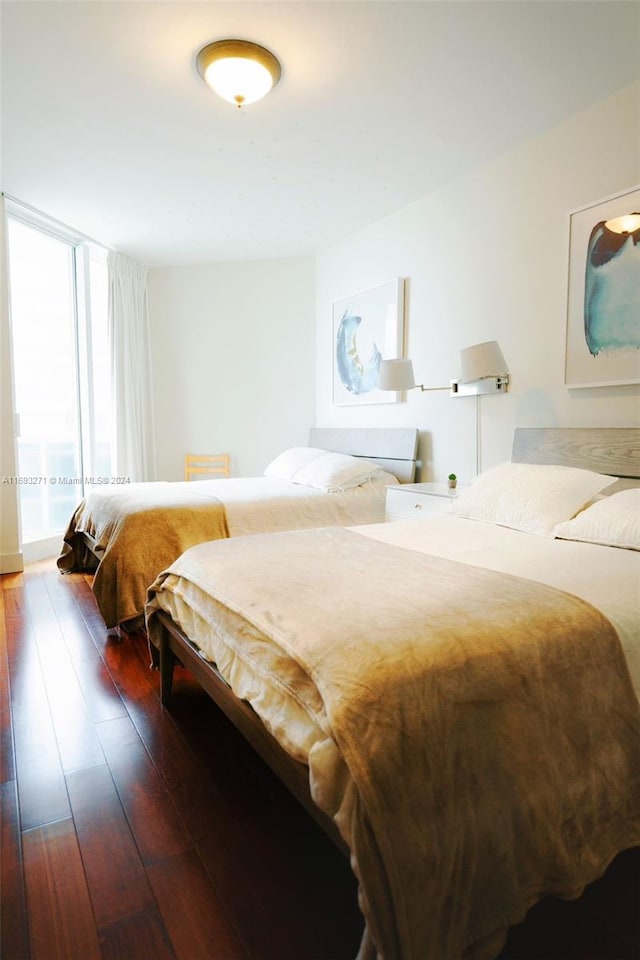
358, 375
603, 298
368, 327
612, 290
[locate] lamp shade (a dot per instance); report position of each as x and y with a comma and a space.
396, 375
482, 360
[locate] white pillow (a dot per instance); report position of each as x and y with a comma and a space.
529, 497
286, 464
336, 471
613, 522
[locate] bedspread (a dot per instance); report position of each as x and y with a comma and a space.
478, 734
137, 539
181, 514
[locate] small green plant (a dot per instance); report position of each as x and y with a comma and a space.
452, 477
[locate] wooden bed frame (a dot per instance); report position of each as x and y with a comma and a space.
614, 451
174, 647
394, 448
611, 450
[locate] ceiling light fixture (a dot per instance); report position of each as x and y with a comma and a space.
629, 223
239, 71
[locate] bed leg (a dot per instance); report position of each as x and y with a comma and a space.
154, 656
167, 663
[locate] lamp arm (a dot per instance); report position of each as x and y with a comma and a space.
420, 386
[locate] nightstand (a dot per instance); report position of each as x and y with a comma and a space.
410, 501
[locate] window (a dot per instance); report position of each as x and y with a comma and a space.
58, 300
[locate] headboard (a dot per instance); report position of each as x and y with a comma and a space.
611, 450
394, 448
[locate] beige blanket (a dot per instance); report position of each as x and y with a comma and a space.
137, 533
487, 729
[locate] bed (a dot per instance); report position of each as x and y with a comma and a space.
127, 534
454, 700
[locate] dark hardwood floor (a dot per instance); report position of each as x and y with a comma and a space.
130, 832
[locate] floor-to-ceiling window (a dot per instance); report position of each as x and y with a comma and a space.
58, 309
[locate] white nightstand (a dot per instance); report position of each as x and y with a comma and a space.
410, 501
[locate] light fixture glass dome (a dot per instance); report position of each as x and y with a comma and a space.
629, 223
239, 71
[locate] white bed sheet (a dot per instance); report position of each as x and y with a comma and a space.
606, 577
267, 504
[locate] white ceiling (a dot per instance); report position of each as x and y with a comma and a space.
107, 126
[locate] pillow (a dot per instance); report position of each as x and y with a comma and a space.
529, 497
286, 465
613, 522
336, 471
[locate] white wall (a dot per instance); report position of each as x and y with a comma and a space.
486, 258
233, 361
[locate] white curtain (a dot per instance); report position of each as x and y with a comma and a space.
130, 344
10, 547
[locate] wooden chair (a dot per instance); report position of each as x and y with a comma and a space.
199, 466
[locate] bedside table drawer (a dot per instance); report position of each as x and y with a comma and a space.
401, 505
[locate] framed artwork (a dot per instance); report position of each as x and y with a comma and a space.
603, 299
367, 327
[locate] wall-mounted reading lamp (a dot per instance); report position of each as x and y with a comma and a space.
398, 375
484, 370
